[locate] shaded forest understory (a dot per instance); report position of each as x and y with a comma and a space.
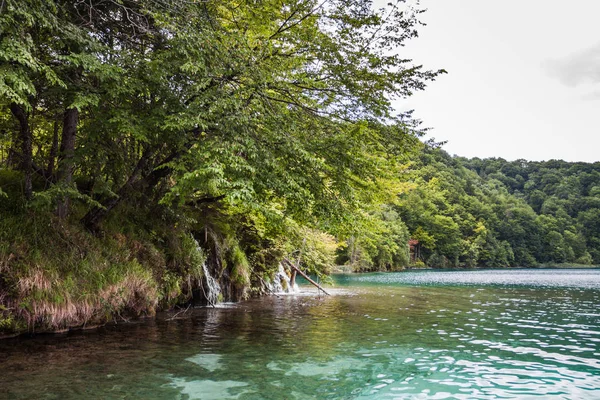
152, 149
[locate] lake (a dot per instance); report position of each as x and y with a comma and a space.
422, 334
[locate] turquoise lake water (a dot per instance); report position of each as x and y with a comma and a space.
429, 334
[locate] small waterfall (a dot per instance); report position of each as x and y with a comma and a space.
281, 282
213, 290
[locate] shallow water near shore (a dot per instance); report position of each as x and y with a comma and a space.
419, 334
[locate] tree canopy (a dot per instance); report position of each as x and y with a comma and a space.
496, 213
148, 144
153, 138
252, 102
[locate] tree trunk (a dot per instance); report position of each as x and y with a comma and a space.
161, 171
26, 147
94, 217
65, 162
140, 179
53, 149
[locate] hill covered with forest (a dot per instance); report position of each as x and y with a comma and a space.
498, 213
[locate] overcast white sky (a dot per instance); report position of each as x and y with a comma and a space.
523, 77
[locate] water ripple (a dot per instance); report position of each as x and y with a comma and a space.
432, 335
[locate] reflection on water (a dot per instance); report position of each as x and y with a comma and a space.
469, 334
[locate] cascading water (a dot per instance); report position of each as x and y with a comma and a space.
212, 287
281, 282
213, 290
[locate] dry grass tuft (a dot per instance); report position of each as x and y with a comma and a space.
134, 295
65, 278
35, 280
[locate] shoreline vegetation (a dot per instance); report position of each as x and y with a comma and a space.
170, 313
158, 153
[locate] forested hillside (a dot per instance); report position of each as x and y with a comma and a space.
565, 195
496, 213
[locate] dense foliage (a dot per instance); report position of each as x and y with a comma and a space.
169, 135
496, 213
565, 198
149, 145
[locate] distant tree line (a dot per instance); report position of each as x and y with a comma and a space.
497, 213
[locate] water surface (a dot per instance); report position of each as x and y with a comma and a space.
427, 334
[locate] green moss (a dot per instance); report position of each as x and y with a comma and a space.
240, 269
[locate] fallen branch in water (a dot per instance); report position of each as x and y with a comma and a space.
294, 268
175, 316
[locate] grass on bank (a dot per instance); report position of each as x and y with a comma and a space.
55, 275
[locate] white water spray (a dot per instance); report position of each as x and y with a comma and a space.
214, 290
212, 286
281, 282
